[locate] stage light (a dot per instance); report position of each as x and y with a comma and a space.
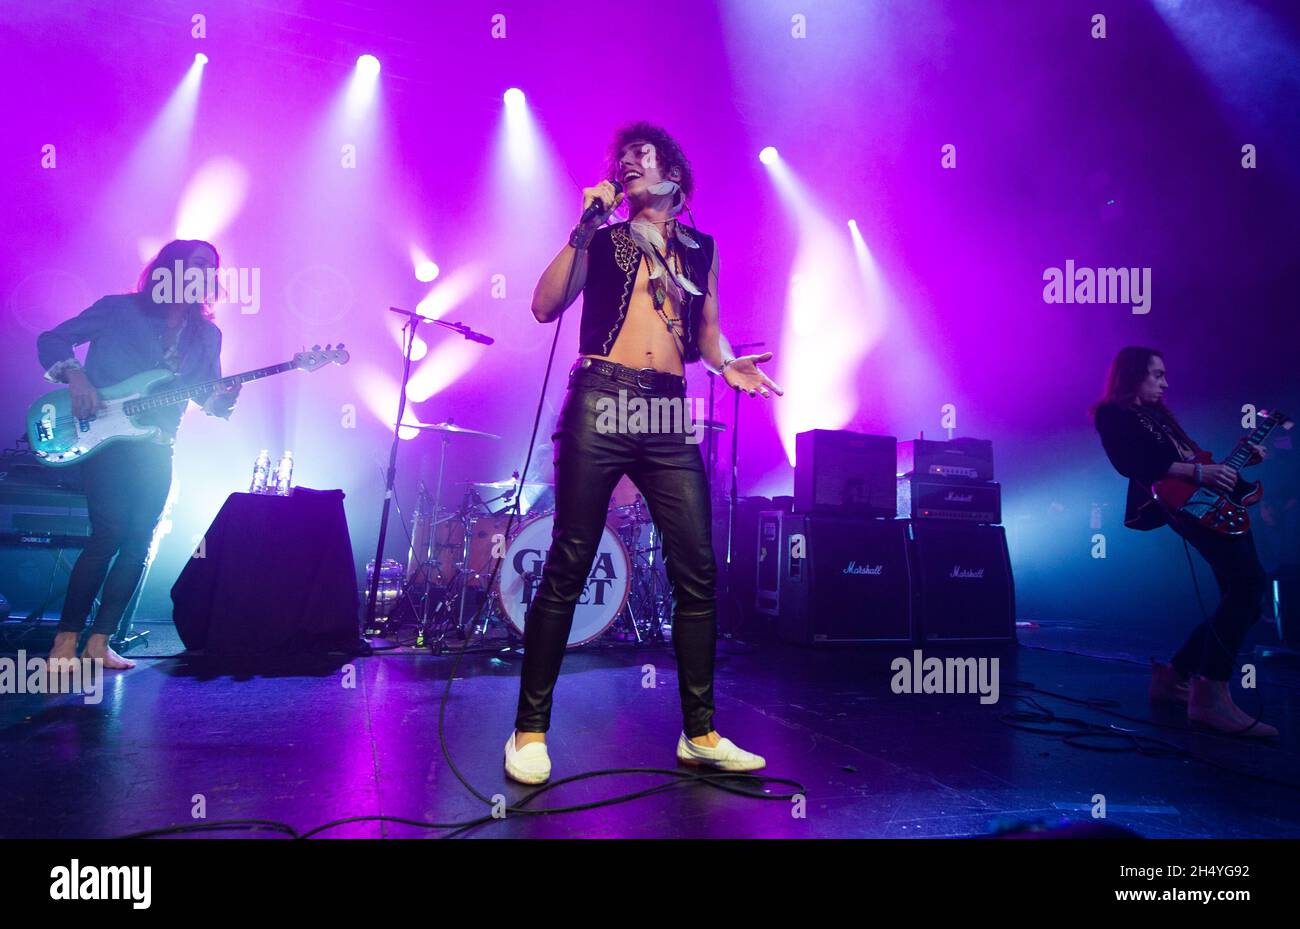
212, 199
200, 58
426, 271
368, 66
853, 227
514, 97
768, 155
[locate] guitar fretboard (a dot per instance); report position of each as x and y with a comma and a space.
181, 394
1242, 453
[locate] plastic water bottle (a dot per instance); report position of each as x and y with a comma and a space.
261, 473
284, 475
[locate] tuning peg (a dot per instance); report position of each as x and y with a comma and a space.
315, 348
329, 348
340, 346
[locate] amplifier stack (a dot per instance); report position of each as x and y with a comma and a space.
851, 565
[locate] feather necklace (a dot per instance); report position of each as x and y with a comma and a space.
659, 254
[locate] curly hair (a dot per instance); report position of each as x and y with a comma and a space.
667, 152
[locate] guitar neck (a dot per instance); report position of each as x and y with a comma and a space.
182, 394
1242, 453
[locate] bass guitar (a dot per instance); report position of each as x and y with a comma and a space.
59, 438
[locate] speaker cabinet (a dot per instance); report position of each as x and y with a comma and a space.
845, 473
962, 578
838, 580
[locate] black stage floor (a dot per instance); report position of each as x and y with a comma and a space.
291, 743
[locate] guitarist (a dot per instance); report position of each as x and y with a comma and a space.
1145, 443
127, 483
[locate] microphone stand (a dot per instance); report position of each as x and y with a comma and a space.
413, 320
732, 494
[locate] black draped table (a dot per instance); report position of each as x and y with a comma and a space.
273, 576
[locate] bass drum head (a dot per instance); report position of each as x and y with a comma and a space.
521, 571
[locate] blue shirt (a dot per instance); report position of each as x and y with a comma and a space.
124, 340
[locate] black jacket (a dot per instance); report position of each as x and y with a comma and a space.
1141, 449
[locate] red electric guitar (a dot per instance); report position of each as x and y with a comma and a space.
1224, 513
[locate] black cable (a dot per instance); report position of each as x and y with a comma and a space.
1040, 720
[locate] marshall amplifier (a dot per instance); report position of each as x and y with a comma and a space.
844, 473
922, 497
838, 580
961, 576
968, 459
44, 521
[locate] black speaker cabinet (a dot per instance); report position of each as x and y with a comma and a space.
961, 574
845, 473
838, 580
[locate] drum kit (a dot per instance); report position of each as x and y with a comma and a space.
478, 564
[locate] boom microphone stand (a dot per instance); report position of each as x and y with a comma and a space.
413, 320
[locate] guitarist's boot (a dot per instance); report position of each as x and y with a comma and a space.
1167, 684
1211, 705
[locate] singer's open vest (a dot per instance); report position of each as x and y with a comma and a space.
611, 274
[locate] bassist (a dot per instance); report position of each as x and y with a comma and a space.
127, 483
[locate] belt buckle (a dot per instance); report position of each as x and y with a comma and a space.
640, 372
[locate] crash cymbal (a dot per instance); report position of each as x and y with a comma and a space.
451, 428
507, 484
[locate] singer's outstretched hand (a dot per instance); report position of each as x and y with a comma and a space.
743, 374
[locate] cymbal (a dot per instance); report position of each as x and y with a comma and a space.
507, 484
451, 428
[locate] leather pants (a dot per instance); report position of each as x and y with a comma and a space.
668, 469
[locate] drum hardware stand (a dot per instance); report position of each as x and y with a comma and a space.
413, 321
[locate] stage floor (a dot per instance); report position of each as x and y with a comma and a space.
290, 742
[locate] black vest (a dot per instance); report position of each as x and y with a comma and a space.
612, 268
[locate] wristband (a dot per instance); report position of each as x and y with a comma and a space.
1199, 475
581, 236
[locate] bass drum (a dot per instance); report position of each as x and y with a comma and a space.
521, 571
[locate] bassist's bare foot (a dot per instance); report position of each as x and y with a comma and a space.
65, 646
1167, 684
62, 655
1211, 705
97, 648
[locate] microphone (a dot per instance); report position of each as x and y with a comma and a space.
598, 208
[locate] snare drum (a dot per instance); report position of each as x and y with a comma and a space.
521, 572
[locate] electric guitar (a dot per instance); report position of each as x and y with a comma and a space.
59, 438
1224, 513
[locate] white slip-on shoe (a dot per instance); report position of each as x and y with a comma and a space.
725, 756
528, 765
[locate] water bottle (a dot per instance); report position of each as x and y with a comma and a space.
284, 475
261, 473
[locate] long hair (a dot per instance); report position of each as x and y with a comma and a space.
174, 251
668, 154
1127, 372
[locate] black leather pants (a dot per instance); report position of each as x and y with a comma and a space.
669, 471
